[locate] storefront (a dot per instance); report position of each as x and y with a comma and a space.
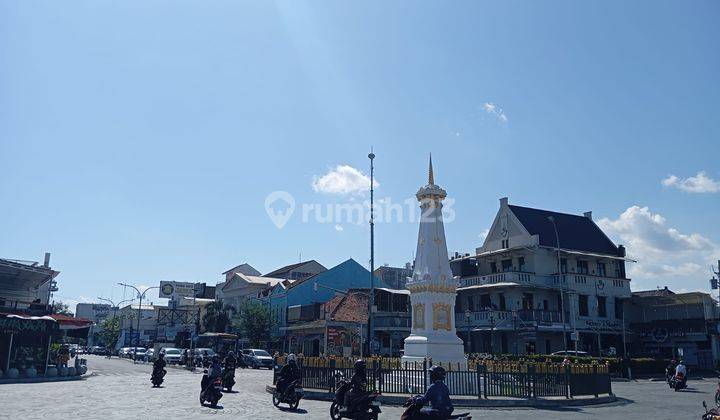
25, 342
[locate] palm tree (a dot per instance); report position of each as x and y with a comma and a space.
217, 316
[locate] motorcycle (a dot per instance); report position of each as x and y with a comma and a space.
292, 396
242, 363
412, 411
366, 409
157, 377
228, 379
210, 392
678, 382
711, 414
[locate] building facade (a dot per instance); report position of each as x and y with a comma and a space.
665, 325
97, 313
299, 271
542, 279
394, 277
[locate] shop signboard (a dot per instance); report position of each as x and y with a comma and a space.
176, 290
23, 325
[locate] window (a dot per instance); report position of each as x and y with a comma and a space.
527, 301
582, 267
618, 308
563, 265
485, 302
470, 303
602, 306
583, 305
521, 264
506, 265
501, 297
493, 267
619, 269
505, 244
601, 269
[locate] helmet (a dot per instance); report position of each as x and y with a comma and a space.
437, 373
161, 355
215, 358
292, 358
360, 366
231, 353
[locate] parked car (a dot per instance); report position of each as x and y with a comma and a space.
172, 355
123, 352
257, 358
137, 353
572, 353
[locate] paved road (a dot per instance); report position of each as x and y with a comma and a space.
121, 390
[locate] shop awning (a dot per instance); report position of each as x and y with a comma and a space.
18, 323
225, 336
66, 322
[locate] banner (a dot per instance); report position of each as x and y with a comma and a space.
176, 290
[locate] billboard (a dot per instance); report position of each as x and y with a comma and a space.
176, 289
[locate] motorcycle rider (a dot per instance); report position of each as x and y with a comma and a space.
358, 385
159, 364
670, 370
230, 361
288, 374
229, 364
436, 401
681, 372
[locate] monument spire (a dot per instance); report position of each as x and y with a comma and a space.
432, 286
431, 178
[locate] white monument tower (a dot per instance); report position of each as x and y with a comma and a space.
432, 287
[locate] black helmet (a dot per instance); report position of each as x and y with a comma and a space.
437, 373
360, 366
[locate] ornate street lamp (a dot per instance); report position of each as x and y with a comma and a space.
467, 324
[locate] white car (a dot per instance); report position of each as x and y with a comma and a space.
257, 358
172, 355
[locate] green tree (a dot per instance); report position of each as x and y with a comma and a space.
217, 316
254, 322
61, 308
110, 331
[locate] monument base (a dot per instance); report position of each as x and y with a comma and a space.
444, 350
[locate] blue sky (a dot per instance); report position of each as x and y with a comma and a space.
139, 140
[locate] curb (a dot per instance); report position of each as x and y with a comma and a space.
397, 400
40, 379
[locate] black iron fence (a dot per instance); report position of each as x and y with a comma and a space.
481, 380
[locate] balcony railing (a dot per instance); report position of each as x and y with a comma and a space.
509, 277
490, 317
532, 279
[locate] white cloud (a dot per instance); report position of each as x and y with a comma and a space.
343, 179
661, 251
339, 228
484, 234
699, 183
496, 111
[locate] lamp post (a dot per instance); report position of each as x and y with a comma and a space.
467, 324
115, 307
515, 319
371, 338
492, 331
562, 282
141, 295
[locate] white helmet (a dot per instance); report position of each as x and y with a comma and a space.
291, 358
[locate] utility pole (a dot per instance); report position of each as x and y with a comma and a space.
371, 300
